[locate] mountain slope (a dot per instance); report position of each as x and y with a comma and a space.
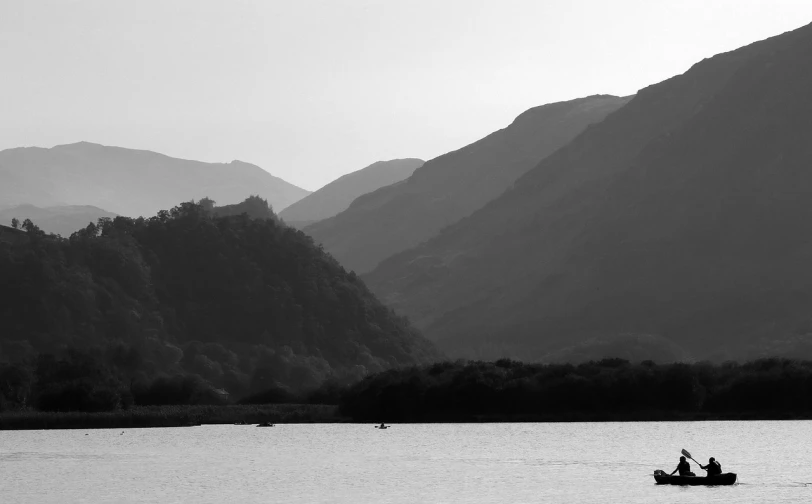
450, 187
245, 303
683, 214
61, 220
336, 196
130, 182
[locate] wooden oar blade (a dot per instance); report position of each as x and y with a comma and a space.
686, 453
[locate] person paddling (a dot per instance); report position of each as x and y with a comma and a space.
714, 468
683, 467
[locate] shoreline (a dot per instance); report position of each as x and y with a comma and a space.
170, 416
188, 416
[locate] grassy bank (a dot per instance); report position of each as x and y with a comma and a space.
171, 416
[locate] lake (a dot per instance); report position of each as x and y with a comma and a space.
408, 463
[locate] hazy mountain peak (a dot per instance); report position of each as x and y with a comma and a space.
681, 215
82, 144
129, 181
237, 162
340, 193
450, 187
61, 220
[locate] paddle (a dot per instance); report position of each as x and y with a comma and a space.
687, 454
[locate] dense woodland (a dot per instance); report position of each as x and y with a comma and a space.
609, 389
198, 304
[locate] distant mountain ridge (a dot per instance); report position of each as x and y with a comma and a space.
130, 182
682, 215
336, 196
61, 220
452, 186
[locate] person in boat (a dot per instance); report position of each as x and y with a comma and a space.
714, 468
382, 426
683, 467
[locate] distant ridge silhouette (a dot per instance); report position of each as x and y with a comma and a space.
338, 194
450, 187
61, 220
683, 215
130, 182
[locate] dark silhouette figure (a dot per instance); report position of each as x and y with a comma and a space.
683, 467
714, 468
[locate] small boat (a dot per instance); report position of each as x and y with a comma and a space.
265, 424
382, 426
663, 478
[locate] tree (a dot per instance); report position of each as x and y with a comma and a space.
207, 204
31, 228
15, 223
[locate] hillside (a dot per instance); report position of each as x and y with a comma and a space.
130, 182
336, 196
244, 304
450, 187
683, 215
61, 220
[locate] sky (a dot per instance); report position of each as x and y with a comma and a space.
310, 90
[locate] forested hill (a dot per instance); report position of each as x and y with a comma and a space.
245, 303
684, 214
450, 187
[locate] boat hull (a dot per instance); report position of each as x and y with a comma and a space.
721, 479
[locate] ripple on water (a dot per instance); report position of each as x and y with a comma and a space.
448, 463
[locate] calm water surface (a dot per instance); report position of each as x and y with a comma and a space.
471, 463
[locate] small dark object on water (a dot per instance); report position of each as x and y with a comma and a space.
382, 426
241, 422
663, 478
265, 424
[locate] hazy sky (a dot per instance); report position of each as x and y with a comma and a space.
310, 90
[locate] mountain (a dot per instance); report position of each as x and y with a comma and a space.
450, 187
336, 196
683, 215
129, 182
245, 303
61, 220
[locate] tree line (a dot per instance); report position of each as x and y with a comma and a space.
445, 391
94, 382
608, 388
